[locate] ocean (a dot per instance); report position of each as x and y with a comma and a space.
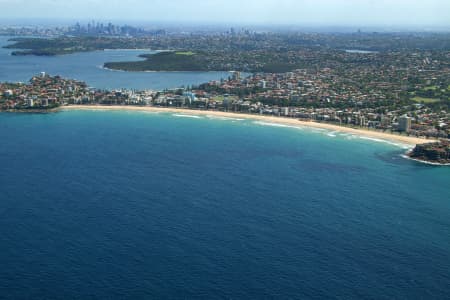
88, 67
139, 205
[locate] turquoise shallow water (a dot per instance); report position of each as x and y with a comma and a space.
135, 205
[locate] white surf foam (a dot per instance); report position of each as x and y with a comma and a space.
276, 125
332, 133
404, 146
187, 116
423, 162
223, 118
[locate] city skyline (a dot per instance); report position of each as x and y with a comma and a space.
382, 13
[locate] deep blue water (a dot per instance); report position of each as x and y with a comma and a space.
88, 67
140, 206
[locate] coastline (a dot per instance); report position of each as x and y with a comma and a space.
159, 71
31, 111
406, 156
376, 135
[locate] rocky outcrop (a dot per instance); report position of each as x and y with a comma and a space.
438, 152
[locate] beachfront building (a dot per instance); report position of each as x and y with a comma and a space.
404, 123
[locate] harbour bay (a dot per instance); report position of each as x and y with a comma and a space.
88, 67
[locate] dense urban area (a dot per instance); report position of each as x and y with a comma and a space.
396, 82
292, 95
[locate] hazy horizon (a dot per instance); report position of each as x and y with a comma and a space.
308, 13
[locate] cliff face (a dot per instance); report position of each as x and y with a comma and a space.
434, 152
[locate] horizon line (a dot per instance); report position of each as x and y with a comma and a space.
9, 21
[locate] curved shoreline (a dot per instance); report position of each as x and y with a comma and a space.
398, 139
159, 71
406, 156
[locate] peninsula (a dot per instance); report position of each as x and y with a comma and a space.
166, 61
247, 50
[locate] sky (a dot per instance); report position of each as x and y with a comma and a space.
405, 13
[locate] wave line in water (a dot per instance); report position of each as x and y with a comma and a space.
333, 133
404, 146
223, 118
276, 125
187, 116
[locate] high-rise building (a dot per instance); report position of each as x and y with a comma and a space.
404, 123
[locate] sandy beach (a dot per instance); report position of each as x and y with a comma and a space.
406, 140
